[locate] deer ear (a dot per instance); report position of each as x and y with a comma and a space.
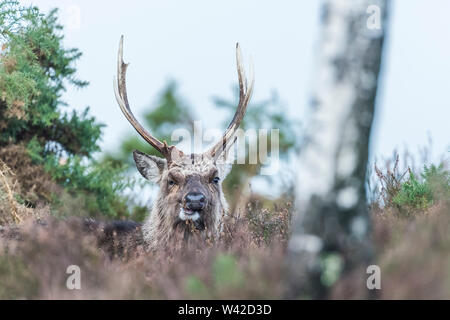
150, 167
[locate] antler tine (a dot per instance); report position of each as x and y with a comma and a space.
120, 90
245, 93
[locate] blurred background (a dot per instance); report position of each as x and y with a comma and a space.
193, 42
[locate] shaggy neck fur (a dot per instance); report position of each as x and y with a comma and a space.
168, 221
160, 229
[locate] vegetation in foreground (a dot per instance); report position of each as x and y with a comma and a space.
412, 243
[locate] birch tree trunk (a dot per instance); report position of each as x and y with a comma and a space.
330, 232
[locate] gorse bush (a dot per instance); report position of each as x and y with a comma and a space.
96, 183
35, 69
416, 192
438, 179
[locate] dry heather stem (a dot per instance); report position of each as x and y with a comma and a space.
11, 200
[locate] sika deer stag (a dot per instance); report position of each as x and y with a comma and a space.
190, 199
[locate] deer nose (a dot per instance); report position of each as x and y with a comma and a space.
195, 201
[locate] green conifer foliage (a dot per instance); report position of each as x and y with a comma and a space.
35, 69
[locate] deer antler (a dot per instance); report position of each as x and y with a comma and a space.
120, 90
245, 93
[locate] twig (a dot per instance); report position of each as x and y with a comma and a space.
12, 202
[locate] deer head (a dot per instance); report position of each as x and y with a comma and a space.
190, 196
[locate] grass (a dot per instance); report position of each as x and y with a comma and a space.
225, 270
411, 223
411, 219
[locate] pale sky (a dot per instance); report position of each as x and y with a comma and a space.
194, 41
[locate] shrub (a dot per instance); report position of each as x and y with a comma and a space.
420, 194
438, 179
34, 71
34, 258
408, 192
414, 194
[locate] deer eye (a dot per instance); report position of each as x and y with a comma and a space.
171, 182
216, 180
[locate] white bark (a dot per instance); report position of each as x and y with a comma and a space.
331, 212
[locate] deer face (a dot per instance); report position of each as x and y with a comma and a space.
190, 187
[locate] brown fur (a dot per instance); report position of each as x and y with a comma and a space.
188, 173
194, 174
